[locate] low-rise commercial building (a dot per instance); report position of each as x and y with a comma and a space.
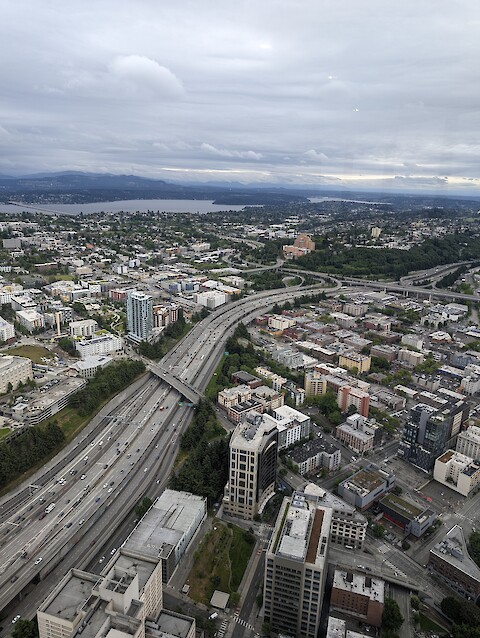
31, 320
366, 486
166, 530
359, 596
413, 518
49, 401
89, 366
359, 434
449, 559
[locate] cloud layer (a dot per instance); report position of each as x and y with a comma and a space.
281, 91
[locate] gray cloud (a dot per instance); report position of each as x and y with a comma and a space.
286, 91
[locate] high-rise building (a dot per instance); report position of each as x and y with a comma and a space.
252, 468
431, 431
296, 567
139, 316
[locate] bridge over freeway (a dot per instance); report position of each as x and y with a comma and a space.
192, 395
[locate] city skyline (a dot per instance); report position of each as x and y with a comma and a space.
352, 96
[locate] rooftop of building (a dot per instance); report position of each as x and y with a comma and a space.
302, 530
7, 360
66, 601
360, 583
51, 394
173, 624
366, 480
453, 550
403, 506
311, 448
165, 523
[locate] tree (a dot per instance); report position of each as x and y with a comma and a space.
392, 618
25, 629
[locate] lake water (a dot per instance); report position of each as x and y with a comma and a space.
319, 200
128, 206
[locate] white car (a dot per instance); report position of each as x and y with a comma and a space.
38, 561
110, 489
15, 619
83, 477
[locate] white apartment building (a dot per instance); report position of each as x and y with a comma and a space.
7, 331
468, 442
413, 340
471, 384
410, 356
210, 299
31, 320
233, 396
102, 345
8, 291
14, 370
457, 471
83, 328
279, 322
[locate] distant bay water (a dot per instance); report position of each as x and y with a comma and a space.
126, 206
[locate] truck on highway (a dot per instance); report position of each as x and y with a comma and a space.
49, 508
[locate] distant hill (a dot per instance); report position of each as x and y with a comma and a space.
78, 188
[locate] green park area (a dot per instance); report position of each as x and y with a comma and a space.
35, 353
4, 432
220, 562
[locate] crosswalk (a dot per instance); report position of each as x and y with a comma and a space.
242, 622
397, 570
223, 628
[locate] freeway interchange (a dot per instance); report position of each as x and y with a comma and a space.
127, 449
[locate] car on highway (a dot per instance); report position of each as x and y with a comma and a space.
113, 551
15, 619
81, 521
38, 561
101, 559
110, 489
83, 477
68, 524
97, 499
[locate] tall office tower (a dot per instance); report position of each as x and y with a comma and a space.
431, 431
139, 316
252, 468
296, 567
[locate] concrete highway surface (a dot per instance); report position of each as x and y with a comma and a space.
94, 483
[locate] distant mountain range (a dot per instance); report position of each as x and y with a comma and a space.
78, 188
72, 187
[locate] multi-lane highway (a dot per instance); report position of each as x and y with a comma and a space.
88, 489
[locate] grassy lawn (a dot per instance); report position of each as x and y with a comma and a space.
71, 422
220, 562
4, 432
427, 624
35, 353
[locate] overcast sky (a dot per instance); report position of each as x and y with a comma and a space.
349, 92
